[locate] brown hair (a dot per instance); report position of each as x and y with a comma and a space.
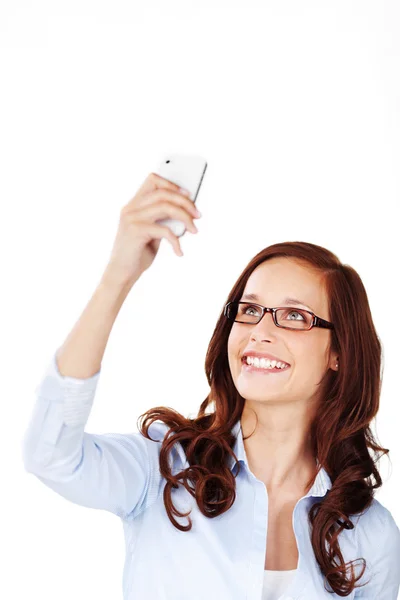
340, 432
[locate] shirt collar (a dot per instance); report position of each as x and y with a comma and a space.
322, 482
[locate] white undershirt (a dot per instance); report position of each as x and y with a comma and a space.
275, 583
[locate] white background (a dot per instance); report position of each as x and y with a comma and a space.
294, 105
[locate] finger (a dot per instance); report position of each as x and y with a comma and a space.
166, 210
161, 231
156, 184
177, 199
154, 181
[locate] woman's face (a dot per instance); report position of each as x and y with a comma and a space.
307, 351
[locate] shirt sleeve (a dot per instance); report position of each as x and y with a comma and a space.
110, 471
384, 554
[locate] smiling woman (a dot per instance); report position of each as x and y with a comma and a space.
278, 469
314, 416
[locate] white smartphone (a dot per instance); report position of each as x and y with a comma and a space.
187, 172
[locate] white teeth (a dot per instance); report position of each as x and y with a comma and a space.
265, 363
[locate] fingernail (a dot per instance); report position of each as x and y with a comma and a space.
198, 213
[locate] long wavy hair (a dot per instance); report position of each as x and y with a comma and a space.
340, 432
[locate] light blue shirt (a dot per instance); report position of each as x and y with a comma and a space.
220, 558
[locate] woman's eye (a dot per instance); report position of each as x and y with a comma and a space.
251, 308
296, 312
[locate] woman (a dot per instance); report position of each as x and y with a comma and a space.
277, 475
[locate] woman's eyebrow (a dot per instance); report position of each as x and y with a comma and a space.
288, 300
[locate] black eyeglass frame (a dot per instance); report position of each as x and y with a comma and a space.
316, 321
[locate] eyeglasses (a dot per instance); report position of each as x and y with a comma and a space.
244, 312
